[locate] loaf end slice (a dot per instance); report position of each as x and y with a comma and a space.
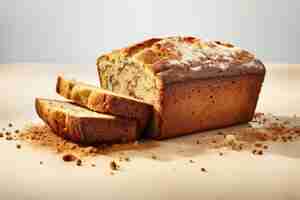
104, 101
84, 126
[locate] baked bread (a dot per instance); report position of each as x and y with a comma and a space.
104, 101
82, 125
192, 84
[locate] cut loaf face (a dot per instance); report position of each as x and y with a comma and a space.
192, 84
82, 125
105, 101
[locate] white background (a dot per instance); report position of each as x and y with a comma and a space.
76, 31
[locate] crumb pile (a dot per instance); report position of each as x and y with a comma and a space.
261, 130
42, 135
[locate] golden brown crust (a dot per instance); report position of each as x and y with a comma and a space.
179, 59
208, 104
129, 51
86, 129
103, 101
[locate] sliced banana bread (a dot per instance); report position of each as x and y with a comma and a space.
82, 125
105, 101
193, 84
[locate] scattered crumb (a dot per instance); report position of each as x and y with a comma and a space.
8, 133
265, 146
41, 162
114, 166
203, 169
9, 137
3, 129
260, 152
79, 162
136, 143
258, 144
17, 131
230, 139
197, 142
1, 135
69, 157
221, 154
10, 125
220, 133
112, 173
254, 151
154, 157
93, 165
18, 146
127, 159
191, 161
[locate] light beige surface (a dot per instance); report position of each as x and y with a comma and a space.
237, 175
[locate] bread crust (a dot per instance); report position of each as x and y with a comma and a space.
87, 130
104, 101
208, 104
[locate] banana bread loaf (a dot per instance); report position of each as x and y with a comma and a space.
105, 101
192, 84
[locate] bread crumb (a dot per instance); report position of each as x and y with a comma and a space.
191, 161
1, 135
41, 162
93, 165
17, 131
9, 138
220, 133
10, 125
265, 147
127, 159
18, 146
69, 158
258, 144
197, 142
221, 154
154, 157
203, 169
114, 166
260, 152
79, 162
230, 139
8, 133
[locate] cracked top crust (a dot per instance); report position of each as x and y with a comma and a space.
176, 59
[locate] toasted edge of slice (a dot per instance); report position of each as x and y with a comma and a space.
82, 125
104, 101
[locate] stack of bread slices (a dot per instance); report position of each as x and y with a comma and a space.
93, 115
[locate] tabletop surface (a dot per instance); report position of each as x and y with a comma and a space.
237, 175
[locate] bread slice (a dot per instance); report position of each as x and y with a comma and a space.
82, 125
104, 101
